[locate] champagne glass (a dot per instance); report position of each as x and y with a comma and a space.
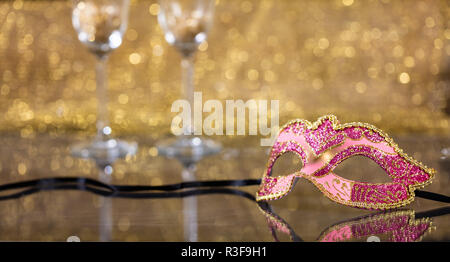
100, 26
186, 24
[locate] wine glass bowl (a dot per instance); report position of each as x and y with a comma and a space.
100, 25
186, 23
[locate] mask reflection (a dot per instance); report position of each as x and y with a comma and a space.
392, 226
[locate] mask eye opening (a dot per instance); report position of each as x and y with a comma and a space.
291, 161
363, 169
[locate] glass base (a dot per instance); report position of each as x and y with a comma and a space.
104, 152
188, 149
445, 154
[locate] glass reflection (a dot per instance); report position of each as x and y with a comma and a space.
190, 220
106, 208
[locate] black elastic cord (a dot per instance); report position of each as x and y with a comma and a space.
432, 196
45, 183
92, 184
81, 185
433, 213
103, 189
183, 185
50, 182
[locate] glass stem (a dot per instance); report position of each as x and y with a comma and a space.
102, 98
187, 68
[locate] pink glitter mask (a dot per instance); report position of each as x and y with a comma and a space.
324, 144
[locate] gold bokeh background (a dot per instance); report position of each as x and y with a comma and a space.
378, 61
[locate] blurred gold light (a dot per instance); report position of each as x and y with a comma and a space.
270, 76
253, 74
123, 99
230, 74
317, 83
22, 168
429, 22
434, 69
243, 56
404, 78
203, 46
389, 68
347, 2
4, 90
279, 58
323, 43
417, 99
419, 54
135, 58
153, 151
409, 61
158, 50
246, 6
377, 117
81, 5
18, 4
398, 51
438, 43
349, 51
124, 224
154, 9
131, 34
361, 87
28, 39
372, 72
225, 17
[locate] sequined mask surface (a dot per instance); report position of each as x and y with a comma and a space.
324, 144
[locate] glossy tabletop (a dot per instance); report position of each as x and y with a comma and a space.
55, 215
